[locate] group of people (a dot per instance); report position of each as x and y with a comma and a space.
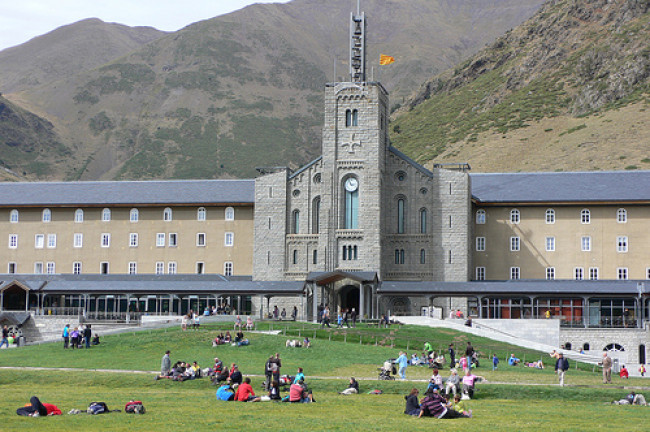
238, 323
191, 319
8, 338
278, 315
180, 371
298, 392
238, 340
434, 404
78, 337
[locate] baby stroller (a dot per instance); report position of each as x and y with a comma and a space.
388, 370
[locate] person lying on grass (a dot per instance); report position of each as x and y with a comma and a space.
434, 405
35, 408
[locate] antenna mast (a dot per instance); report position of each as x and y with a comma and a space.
358, 45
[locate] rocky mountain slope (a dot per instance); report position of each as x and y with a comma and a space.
222, 96
568, 89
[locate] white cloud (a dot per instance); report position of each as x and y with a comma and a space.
25, 19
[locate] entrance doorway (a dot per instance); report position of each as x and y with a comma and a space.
13, 299
349, 297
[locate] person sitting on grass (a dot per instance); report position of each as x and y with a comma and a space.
274, 391
412, 404
632, 399
235, 376
513, 361
535, 364
459, 405
227, 338
453, 383
434, 405
221, 376
245, 392
300, 393
435, 382
95, 340
353, 388
36, 408
300, 376
469, 382
306, 343
225, 393
624, 374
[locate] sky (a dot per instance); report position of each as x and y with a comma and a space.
22, 20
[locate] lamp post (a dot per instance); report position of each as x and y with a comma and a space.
640, 288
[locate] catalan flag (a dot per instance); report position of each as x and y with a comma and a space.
385, 59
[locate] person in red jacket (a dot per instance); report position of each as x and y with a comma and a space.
37, 409
245, 392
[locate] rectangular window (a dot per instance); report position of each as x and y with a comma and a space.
171, 267
13, 241
480, 244
76, 267
160, 268
200, 268
621, 244
38, 268
514, 273
133, 268
550, 244
229, 239
103, 267
622, 273
133, 240
12, 268
579, 273
200, 239
585, 244
480, 273
160, 240
514, 244
593, 273
173, 239
647, 273
227, 268
51, 241
50, 268
39, 241
78, 240
106, 240
550, 273
315, 257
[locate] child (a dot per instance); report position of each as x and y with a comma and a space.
459, 405
339, 321
495, 362
642, 370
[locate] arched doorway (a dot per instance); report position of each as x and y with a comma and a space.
14, 298
349, 297
399, 306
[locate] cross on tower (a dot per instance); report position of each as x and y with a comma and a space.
350, 145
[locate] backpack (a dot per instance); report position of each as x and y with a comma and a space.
97, 408
134, 407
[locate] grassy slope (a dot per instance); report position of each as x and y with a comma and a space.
172, 406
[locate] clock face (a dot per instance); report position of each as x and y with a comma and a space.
351, 184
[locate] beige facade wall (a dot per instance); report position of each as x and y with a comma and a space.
603, 231
119, 253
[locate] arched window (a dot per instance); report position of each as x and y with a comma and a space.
167, 214
423, 221
480, 216
348, 118
134, 215
230, 214
295, 222
550, 216
295, 256
315, 214
621, 215
585, 216
200, 214
13, 216
399, 256
106, 215
351, 186
515, 216
355, 118
401, 215
423, 256
47, 215
78, 216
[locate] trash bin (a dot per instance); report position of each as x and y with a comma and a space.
21, 341
616, 367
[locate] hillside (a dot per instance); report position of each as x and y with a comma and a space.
69, 50
566, 90
222, 96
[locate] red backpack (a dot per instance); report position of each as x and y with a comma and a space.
134, 407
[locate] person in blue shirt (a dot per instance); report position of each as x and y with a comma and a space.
403, 363
299, 376
225, 393
495, 362
513, 361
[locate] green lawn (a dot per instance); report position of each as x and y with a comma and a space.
501, 403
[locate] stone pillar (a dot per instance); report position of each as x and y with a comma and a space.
362, 300
314, 291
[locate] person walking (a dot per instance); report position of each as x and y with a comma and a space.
353, 316
5, 336
495, 362
88, 334
607, 368
165, 364
402, 362
452, 355
561, 366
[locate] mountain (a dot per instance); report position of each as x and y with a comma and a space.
222, 96
566, 90
69, 50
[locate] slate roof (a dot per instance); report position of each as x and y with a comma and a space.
510, 288
189, 192
410, 161
612, 186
